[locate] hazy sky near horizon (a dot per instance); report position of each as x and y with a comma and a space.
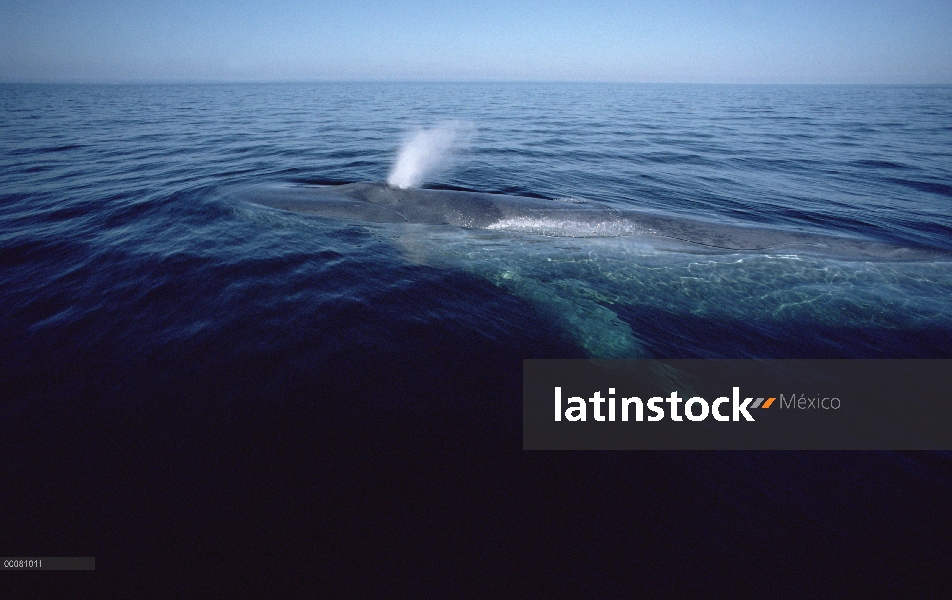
848, 41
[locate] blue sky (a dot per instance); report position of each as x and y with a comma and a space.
831, 41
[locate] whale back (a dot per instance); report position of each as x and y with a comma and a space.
382, 203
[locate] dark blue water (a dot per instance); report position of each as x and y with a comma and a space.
186, 376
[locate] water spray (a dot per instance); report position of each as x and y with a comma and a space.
427, 152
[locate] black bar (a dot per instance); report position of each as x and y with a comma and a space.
48, 563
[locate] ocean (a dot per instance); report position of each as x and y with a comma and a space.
225, 398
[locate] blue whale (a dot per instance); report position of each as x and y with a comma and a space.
382, 203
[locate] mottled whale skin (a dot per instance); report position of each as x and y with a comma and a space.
382, 203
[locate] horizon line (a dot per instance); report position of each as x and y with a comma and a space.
435, 81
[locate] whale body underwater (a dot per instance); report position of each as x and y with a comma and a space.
382, 203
